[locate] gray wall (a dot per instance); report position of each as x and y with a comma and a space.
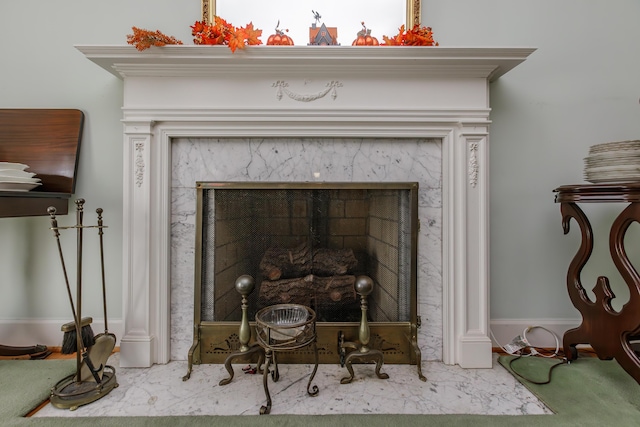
581, 87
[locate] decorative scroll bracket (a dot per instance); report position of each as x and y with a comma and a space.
330, 88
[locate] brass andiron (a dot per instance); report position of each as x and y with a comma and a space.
362, 352
244, 286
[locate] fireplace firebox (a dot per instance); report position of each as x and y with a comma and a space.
305, 243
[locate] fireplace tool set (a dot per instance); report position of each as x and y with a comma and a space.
93, 378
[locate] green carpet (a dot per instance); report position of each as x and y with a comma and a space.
588, 389
25, 384
589, 392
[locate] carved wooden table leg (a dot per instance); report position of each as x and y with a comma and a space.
577, 293
608, 331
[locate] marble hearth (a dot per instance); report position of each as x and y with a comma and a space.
306, 114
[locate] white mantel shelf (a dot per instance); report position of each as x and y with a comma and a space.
201, 61
297, 92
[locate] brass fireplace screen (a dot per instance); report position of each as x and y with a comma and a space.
305, 243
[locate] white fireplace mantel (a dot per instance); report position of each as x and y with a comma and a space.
299, 91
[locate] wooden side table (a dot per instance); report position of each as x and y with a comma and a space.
609, 332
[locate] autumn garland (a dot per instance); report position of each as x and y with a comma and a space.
220, 32
144, 39
417, 36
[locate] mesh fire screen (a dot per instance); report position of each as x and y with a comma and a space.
305, 243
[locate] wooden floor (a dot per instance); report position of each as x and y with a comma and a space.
56, 353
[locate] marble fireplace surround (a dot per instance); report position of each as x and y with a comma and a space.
199, 96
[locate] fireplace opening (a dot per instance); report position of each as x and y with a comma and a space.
306, 243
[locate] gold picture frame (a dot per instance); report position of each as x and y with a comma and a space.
413, 12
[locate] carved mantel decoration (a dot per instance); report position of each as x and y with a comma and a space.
414, 97
329, 88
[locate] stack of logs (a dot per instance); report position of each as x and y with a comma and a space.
318, 278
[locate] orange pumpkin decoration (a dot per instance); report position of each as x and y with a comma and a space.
279, 38
365, 38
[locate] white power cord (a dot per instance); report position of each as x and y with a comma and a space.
532, 349
519, 343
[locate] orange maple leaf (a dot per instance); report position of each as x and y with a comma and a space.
197, 27
235, 41
390, 41
222, 24
252, 35
397, 40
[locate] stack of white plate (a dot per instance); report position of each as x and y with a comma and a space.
13, 177
613, 162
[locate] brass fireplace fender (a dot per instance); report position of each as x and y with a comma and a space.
215, 341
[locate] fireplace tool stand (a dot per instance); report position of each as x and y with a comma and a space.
244, 286
93, 379
285, 327
362, 352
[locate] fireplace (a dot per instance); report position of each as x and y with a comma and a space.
304, 114
305, 243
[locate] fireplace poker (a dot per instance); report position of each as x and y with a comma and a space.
69, 343
81, 348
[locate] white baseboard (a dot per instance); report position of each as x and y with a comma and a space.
28, 332
504, 330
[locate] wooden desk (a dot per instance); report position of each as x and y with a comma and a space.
609, 332
33, 203
48, 141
